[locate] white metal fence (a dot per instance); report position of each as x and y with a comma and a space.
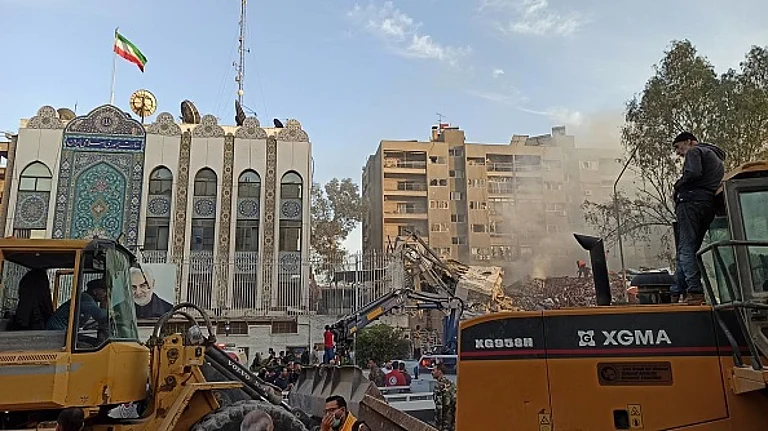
235, 286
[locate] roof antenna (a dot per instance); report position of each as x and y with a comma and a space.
242, 50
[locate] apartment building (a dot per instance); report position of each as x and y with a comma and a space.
486, 203
3, 165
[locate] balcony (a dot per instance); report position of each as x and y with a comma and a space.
502, 167
406, 211
405, 188
405, 166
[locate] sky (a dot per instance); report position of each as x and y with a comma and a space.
356, 72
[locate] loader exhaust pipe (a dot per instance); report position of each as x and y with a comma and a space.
596, 250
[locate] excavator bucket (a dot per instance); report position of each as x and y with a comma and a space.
315, 384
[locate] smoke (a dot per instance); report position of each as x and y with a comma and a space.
597, 130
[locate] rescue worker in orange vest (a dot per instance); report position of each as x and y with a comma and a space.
338, 418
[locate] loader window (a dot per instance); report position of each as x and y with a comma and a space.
105, 302
755, 221
718, 231
30, 292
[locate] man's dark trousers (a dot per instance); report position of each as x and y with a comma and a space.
693, 220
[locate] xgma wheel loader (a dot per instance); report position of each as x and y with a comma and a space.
660, 366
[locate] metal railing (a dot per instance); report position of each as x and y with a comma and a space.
235, 286
405, 164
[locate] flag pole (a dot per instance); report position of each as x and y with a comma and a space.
114, 69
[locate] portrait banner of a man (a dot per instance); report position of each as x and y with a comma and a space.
153, 289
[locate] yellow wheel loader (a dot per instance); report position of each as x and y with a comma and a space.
68, 338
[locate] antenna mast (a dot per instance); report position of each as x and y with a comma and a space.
242, 50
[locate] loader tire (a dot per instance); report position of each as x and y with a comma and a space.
230, 417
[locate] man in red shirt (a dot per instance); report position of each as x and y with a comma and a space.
395, 377
328, 343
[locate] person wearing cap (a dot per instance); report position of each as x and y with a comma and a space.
444, 396
91, 305
694, 195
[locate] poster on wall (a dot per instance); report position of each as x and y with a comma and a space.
154, 289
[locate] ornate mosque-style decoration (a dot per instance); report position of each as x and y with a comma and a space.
268, 252
46, 118
164, 125
101, 173
225, 216
31, 210
292, 132
251, 129
180, 216
208, 128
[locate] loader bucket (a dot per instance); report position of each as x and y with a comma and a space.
380, 416
315, 384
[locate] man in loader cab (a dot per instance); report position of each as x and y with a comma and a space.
90, 306
694, 195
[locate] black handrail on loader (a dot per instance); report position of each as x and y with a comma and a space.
733, 304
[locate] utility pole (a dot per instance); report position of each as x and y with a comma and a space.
242, 50
618, 216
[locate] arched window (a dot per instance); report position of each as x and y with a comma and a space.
35, 177
205, 183
291, 211
32, 201
291, 186
158, 221
202, 238
248, 212
161, 182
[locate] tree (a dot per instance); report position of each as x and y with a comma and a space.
380, 342
336, 209
685, 93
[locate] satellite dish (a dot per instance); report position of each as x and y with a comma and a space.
278, 124
189, 113
143, 103
66, 114
239, 113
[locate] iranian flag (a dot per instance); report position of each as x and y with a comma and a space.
124, 48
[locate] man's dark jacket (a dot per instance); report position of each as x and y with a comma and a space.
703, 171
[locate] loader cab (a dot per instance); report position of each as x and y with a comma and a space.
734, 256
62, 295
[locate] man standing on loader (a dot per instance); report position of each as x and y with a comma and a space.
445, 400
694, 195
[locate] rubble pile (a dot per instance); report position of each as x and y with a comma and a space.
559, 292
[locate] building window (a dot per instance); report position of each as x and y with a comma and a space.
478, 205
32, 202
36, 178
456, 173
437, 160
205, 183
589, 165
248, 213
291, 186
438, 182
479, 228
291, 210
285, 327
441, 205
156, 234
458, 240
458, 218
161, 182
439, 227
456, 196
553, 228
456, 152
158, 222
